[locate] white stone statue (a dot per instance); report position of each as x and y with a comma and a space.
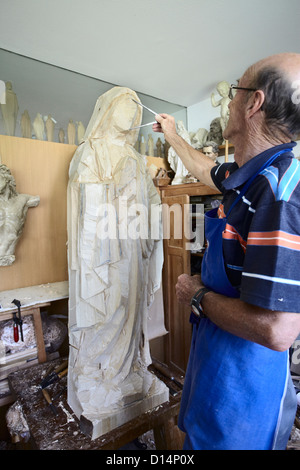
174, 160
223, 90
26, 125
38, 127
150, 145
115, 258
61, 136
10, 110
71, 132
159, 146
49, 128
13, 211
198, 138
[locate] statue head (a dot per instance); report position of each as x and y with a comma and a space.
8, 181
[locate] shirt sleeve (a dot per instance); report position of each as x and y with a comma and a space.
220, 172
271, 274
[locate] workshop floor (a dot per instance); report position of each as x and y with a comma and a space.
144, 442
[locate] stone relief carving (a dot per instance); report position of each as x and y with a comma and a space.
13, 211
115, 264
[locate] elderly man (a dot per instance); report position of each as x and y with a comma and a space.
238, 392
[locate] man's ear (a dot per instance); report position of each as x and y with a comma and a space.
255, 103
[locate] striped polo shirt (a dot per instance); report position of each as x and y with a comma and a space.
261, 240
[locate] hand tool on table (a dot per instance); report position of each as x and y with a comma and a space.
49, 401
59, 393
148, 109
18, 322
172, 391
164, 370
56, 375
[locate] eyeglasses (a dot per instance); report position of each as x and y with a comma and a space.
233, 87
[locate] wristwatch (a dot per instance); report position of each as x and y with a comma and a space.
196, 302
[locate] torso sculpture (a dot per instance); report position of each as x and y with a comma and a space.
13, 211
114, 269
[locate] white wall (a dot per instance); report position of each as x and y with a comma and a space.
200, 115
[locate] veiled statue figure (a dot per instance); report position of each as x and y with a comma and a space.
115, 262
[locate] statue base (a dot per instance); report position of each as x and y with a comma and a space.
95, 426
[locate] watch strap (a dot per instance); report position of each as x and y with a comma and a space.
196, 299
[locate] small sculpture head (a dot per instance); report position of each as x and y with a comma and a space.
7, 181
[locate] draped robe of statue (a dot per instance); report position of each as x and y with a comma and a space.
112, 279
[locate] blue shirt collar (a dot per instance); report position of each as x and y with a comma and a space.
241, 175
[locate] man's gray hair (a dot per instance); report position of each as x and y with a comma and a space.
214, 145
281, 110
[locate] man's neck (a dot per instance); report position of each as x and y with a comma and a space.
250, 147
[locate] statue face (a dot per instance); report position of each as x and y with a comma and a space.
208, 151
124, 113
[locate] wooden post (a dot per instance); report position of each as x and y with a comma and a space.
226, 151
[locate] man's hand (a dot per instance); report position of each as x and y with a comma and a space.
186, 287
166, 124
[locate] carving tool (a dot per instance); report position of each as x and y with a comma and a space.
143, 125
18, 322
148, 109
172, 391
49, 401
56, 375
166, 372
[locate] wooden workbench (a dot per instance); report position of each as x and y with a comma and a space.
62, 432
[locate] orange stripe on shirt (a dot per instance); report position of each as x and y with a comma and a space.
231, 234
275, 238
221, 213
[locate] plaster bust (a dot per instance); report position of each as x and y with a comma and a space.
211, 150
13, 211
215, 131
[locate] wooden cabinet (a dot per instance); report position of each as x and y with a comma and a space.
176, 200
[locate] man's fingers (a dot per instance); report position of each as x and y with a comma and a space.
156, 127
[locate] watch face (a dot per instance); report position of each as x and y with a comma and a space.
195, 310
